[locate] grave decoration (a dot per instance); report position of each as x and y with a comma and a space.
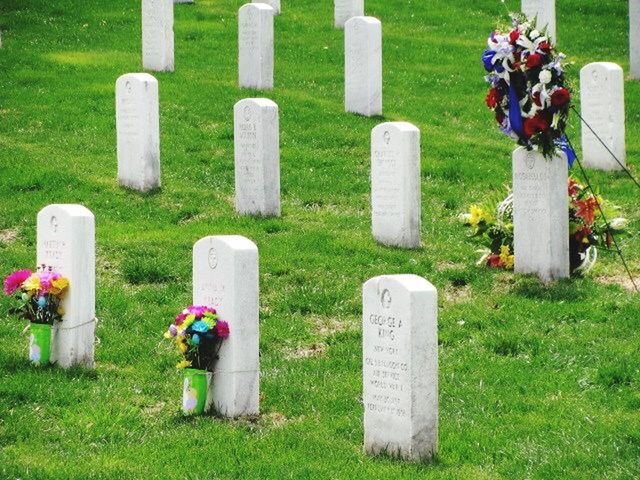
588, 229
198, 333
39, 295
529, 93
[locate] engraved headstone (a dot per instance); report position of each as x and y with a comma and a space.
545, 11
157, 35
257, 157
602, 103
66, 242
363, 66
138, 131
400, 367
634, 38
225, 277
255, 46
275, 4
540, 215
395, 184
343, 10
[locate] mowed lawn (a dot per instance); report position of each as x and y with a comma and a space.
535, 381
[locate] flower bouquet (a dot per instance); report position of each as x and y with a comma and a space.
587, 228
529, 94
39, 295
198, 333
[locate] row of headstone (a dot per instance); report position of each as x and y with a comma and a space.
157, 35
399, 321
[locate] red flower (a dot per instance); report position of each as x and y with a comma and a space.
514, 35
494, 261
500, 117
560, 97
535, 125
222, 329
493, 98
586, 209
544, 47
536, 99
574, 187
534, 60
583, 233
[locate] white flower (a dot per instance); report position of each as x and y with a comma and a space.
534, 34
619, 223
464, 218
545, 77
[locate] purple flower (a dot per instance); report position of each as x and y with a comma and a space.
13, 281
45, 280
222, 329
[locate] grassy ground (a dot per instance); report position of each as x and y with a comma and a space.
536, 382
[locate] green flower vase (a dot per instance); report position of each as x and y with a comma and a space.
194, 392
40, 344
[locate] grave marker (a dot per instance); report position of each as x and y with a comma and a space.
275, 4
545, 11
343, 10
157, 35
602, 104
138, 131
225, 277
540, 215
255, 46
257, 157
395, 184
400, 367
66, 242
363, 66
634, 38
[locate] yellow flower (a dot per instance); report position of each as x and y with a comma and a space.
182, 344
477, 215
188, 321
506, 258
60, 311
59, 285
32, 284
183, 364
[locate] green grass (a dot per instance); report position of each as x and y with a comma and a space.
535, 382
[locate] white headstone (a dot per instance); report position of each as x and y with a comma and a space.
257, 157
545, 11
540, 214
363, 66
157, 35
275, 4
634, 38
400, 366
138, 131
66, 242
225, 277
343, 10
602, 104
255, 46
395, 184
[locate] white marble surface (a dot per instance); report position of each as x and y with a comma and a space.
275, 4
255, 46
545, 10
363, 66
157, 35
343, 10
138, 131
66, 242
400, 366
225, 276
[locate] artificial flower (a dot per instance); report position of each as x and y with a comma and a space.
560, 97
58, 285
535, 125
222, 329
506, 259
32, 284
184, 364
13, 281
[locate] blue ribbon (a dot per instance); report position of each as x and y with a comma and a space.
563, 144
515, 114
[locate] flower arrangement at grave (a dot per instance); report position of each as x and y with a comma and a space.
528, 92
39, 295
588, 229
198, 334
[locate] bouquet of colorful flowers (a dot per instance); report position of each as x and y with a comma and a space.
588, 228
39, 294
528, 94
198, 333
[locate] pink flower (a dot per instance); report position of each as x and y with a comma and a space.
180, 318
46, 278
222, 329
197, 310
13, 281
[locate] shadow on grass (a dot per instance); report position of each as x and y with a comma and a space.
569, 290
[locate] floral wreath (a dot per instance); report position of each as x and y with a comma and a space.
528, 93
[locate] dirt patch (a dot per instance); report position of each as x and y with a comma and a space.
313, 350
620, 279
455, 294
8, 236
327, 326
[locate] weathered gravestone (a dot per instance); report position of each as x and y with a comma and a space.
634, 38
255, 42
395, 184
257, 157
540, 214
225, 277
275, 4
400, 366
545, 11
66, 242
138, 131
363, 66
343, 10
157, 35
602, 103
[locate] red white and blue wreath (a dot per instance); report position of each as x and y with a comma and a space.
528, 94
